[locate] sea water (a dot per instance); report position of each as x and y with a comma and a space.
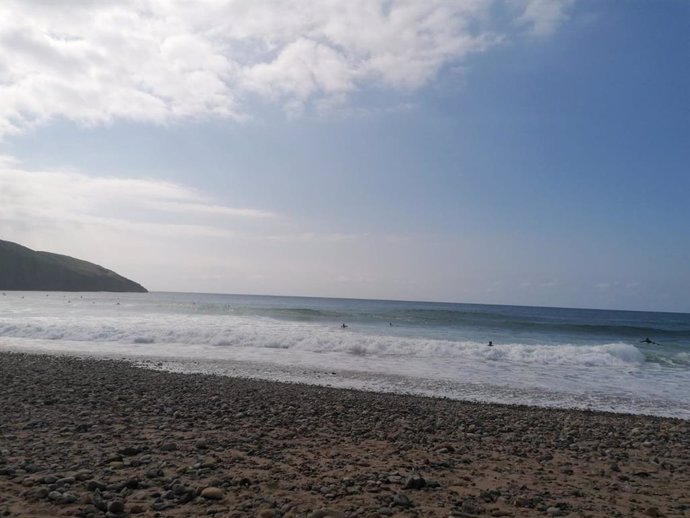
541, 356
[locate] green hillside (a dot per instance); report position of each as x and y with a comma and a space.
24, 269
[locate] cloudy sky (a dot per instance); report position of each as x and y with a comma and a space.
529, 152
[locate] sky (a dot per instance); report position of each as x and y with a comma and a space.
529, 152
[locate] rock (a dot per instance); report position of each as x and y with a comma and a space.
415, 482
98, 503
83, 475
92, 485
554, 511
116, 507
130, 451
401, 500
41, 493
132, 483
186, 497
267, 513
68, 498
653, 512
469, 506
326, 513
137, 509
180, 489
154, 473
212, 493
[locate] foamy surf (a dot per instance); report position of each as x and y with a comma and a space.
236, 336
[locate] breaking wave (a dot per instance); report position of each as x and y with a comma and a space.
243, 332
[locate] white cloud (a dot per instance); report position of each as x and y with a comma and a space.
59, 197
543, 17
163, 60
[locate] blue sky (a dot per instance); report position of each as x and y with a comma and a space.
520, 152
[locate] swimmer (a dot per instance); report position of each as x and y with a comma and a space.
648, 341
491, 344
344, 325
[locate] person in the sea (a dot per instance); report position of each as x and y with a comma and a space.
344, 325
648, 341
491, 344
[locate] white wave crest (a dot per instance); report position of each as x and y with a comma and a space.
241, 332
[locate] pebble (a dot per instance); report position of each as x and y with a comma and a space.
212, 493
401, 500
116, 507
68, 498
267, 459
99, 503
415, 482
326, 513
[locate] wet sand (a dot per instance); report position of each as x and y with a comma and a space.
105, 438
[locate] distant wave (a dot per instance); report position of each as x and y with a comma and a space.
509, 322
215, 332
459, 319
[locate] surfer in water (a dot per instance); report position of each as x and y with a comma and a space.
344, 325
491, 344
648, 341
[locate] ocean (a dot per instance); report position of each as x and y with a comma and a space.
553, 357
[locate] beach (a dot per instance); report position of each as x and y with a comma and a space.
546, 357
86, 437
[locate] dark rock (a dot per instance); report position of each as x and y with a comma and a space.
99, 503
92, 485
116, 506
326, 513
132, 483
130, 451
415, 482
212, 493
401, 500
68, 498
470, 506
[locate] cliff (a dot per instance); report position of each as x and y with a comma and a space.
23, 269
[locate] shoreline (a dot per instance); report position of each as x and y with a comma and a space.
81, 435
457, 390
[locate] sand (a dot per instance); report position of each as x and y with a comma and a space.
82, 437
